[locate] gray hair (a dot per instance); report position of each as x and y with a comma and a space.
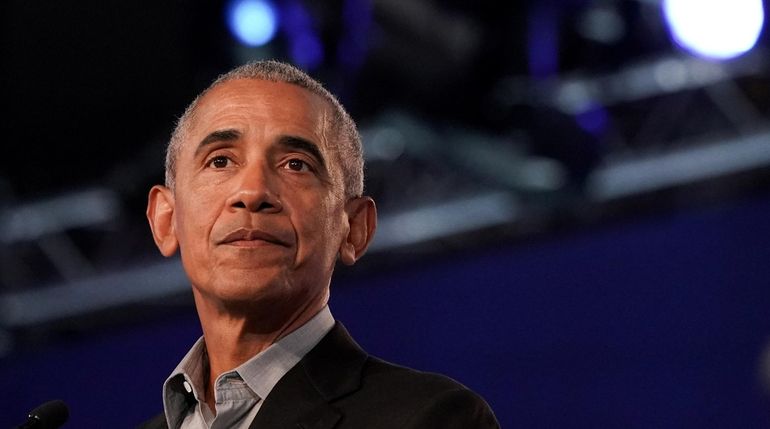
348, 148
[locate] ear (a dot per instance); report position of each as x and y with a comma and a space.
362, 219
160, 214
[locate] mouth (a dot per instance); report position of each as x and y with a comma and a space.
245, 237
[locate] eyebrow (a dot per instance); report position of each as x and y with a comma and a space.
227, 135
287, 142
303, 145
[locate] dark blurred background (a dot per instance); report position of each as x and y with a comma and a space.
573, 198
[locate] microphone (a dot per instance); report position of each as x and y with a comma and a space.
50, 415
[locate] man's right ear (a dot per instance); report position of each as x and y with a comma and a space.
160, 214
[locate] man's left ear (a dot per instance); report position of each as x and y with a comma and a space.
362, 217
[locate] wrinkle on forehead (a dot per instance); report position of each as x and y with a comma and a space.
316, 111
225, 100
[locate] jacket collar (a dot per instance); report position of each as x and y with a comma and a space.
304, 396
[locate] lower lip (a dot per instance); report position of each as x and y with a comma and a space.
251, 243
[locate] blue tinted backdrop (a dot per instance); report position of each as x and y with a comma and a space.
657, 322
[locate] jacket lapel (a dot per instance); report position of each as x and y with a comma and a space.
322, 417
304, 397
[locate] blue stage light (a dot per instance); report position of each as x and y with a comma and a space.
252, 22
716, 29
593, 119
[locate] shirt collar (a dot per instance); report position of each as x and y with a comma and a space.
184, 387
262, 372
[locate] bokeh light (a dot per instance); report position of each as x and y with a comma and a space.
252, 22
715, 29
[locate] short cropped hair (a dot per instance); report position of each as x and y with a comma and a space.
345, 134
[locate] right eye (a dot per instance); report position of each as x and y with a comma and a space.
219, 161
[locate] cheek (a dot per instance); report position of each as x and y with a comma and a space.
319, 230
195, 217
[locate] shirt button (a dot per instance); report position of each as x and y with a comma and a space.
187, 386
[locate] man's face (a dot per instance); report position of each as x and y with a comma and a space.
258, 205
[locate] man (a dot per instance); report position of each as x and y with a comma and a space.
264, 183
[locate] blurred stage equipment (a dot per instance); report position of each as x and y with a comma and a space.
481, 122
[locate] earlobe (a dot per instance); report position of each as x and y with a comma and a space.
160, 214
362, 217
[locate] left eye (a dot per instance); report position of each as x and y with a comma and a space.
297, 165
220, 161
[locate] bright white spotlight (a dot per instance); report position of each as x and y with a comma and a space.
253, 22
717, 29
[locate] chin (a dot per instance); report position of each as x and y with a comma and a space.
251, 286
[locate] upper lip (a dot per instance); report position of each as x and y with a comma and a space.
249, 234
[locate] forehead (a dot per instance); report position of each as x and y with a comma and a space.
269, 106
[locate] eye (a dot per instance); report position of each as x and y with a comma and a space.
297, 165
220, 161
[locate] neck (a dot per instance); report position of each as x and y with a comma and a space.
232, 336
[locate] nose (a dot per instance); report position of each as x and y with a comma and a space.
255, 191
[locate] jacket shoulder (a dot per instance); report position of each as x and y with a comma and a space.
396, 396
385, 375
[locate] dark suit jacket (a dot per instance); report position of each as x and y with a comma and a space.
338, 385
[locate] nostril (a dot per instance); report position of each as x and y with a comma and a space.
262, 206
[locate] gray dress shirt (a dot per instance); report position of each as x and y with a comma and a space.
239, 393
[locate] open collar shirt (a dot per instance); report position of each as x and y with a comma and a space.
239, 393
